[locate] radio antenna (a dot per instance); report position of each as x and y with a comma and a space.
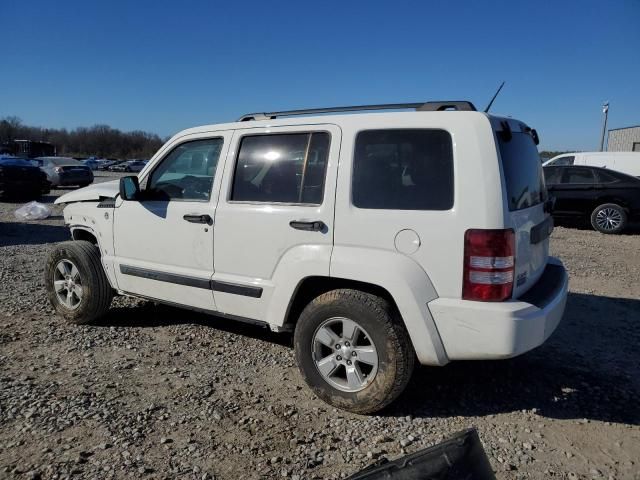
486, 110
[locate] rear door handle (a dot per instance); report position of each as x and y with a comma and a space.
310, 226
198, 219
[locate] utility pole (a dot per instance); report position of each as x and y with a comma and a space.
605, 111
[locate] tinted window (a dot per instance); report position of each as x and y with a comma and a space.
578, 175
606, 177
552, 175
522, 171
403, 170
281, 168
563, 161
186, 173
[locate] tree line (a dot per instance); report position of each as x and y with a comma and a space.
99, 140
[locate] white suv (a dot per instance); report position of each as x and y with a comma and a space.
379, 238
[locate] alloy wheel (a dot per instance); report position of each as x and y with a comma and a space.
68, 284
344, 354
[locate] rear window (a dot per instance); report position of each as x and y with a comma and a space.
403, 170
522, 171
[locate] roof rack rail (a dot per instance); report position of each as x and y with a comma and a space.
421, 107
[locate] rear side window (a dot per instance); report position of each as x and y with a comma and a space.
563, 161
578, 176
522, 171
403, 170
606, 177
282, 168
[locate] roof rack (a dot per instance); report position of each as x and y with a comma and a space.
421, 107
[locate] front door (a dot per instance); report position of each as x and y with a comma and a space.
163, 242
274, 221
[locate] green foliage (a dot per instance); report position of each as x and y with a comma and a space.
99, 140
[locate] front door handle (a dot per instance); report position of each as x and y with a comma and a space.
310, 226
198, 219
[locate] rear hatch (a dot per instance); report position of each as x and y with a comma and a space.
526, 201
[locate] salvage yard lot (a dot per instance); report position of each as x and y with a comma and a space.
158, 392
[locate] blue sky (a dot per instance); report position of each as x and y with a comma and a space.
162, 66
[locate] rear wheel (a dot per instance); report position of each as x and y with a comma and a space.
76, 283
353, 350
609, 218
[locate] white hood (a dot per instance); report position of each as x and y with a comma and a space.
96, 191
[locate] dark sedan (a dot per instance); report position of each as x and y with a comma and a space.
606, 198
66, 171
20, 178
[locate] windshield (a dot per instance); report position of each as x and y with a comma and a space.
522, 171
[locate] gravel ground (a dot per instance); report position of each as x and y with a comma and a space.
156, 392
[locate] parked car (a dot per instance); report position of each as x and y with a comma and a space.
92, 163
134, 165
105, 164
605, 198
383, 243
118, 166
66, 171
20, 178
625, 162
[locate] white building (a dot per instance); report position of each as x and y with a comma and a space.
625, 139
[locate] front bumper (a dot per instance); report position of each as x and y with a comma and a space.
483, 330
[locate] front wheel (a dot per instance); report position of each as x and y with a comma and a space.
76, 284
353, 350
609, 218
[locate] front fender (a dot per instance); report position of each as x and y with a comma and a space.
90, 217
409, 286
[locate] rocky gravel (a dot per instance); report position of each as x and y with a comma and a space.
157, 392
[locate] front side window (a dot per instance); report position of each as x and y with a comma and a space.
281, 168
578, 176
186, 173
403, 170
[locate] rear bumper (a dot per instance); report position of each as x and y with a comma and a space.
74, 179
482, 330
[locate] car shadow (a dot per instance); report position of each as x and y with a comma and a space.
18, 233
633, 228
588, 370
150, 314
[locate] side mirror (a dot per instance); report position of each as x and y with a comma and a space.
129, 188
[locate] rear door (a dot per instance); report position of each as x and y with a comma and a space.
526, 196
275, 214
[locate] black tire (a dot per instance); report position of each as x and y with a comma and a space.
396, 357
617, 214
96, 291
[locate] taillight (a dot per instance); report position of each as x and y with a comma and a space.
489, 265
